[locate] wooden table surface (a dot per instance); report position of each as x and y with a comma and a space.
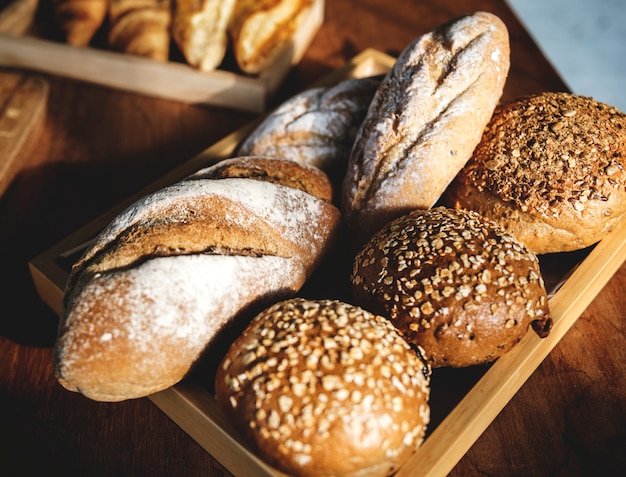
100, 146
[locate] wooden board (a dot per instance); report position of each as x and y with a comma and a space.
463, 402
23, 100
170, 80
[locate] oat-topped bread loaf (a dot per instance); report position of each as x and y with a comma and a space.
163, 280
550, 169
425, 120
315, 127
453, 283
326, 388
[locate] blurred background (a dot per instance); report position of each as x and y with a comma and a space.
585, 40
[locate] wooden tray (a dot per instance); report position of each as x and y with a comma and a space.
23, 101
463, 402
170, 80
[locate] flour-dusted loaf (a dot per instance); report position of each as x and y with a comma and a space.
200, 30
262, 30
550, 169
315, 127
321, 387
453, 283
159, 283
425, 120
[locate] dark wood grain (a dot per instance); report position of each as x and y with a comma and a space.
99, 146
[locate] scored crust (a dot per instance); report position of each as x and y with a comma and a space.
315, 127
550, 169
425, 120
453, 283
175, 268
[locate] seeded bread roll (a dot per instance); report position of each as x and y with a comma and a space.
168, 274
551, 170
454, 283
315, 127
326, 388
425, 120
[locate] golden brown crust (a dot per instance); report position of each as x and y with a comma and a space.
326, 388
454, 284
425, 120
551, 169
304, 177
168, 274
261, 30
79, 20
140, 27
200, 30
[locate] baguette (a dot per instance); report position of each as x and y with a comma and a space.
425, 120
159, 284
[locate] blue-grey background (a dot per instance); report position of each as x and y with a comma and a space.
585, 40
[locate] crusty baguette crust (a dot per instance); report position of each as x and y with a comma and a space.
158, 284
550, 169
425, 120
200, 30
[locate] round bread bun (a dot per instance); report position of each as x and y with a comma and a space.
454, 284
550, 169
326, 388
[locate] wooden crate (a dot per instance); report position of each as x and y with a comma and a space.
170, 80
463, 401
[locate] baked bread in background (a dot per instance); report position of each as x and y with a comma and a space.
425, 120
200, 30
158, 285
262, 30
550, 169
315, 127
321, 387
140, 27
79, 20
454, 284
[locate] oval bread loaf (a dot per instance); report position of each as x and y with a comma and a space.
321, 387
425, 120
161, 281
316, 127
550, 169
453, 283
